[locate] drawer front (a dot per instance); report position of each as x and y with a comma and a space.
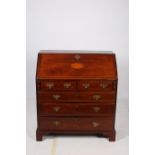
77, 97
53, 85
95, 85
75, 124
76, 110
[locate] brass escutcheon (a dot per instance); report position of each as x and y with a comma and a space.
77, 57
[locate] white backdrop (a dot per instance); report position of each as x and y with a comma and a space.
78, 25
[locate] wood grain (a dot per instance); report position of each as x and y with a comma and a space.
76, 94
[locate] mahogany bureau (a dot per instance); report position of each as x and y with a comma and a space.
76, 93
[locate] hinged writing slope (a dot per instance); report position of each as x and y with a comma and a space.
69, 66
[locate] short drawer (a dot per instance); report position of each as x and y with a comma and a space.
75, 124
52, 85
76, 109
77, 97
95, 85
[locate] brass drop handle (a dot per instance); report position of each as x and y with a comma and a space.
97, 97
56, 109
96, 109
86, 85
56, 97
50, 85
95, 124
67, 85
103, 85
56, 123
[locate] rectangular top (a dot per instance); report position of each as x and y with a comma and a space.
76, 65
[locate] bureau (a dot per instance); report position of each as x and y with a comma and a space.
76, 93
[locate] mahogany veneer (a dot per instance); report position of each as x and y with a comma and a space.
76, 93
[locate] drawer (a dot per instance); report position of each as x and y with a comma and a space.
52, 85
95, 85
75, 124
76, 110
77, 97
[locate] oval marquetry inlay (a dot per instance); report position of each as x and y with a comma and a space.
77, 65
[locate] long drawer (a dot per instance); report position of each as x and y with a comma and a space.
75, 124
66, 109
76, 97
